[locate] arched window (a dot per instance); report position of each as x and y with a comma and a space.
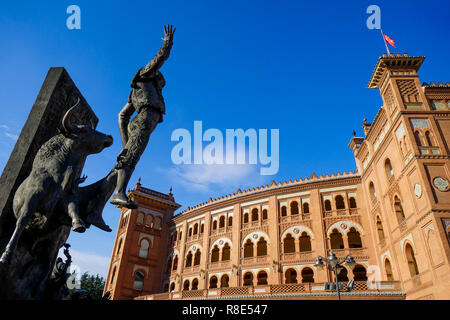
140, 218
261, 247
336, 240
195, 228
149, 221
248, 249
222, 222
189, 260
255, 214
213, 282
411, 258
186, 285
215, 254
181, 232
248, 279
169, 265
262, 278
195, 284
245, 217
230, 221
197, 257
352, 202
119, 246
417, 138
342, 275
388, 168
305, 242
289, 244
290, 276
215, 225
354, 238
226, 252
224, 281
139, 280
175, 263
307, 275
283, 211
113, 275
264, 214
157, 223
372, 192
143, 251
399, 210
359, 273
339, 200
380, 229
175, 235
202, 228
388, 269
172, 286
306, 207
294, 207
190, 232
327, 205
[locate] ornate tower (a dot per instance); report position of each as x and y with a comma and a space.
141, 245
405, 169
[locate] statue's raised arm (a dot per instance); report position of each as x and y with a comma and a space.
161, 56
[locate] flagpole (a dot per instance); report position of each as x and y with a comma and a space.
384, 39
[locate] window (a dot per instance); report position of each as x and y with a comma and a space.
352, 202
143, 251
172, 286
113, 275
417, 138
264, 214
305, 242
196, 228
380, 229
213, 282
246, 218
190, 232
372, 192
226, 252
283, 211
138, 280
248, 279
248, 249
339, 200
307, 275
149, 221
255, 214
179, 238
197, 257
119, 246
411, 258
290, 276
327, 205
175, 263
399, 210
224, 281
262, 278
189, 260
388, 269
342, 275
157, 224
294, 207
222, 222
306, 207
388, 168
289, 244
336, 240
195, 284
215, 254
230, 221
202, 228
354, 239
169, 265
261, 247
359, 273
215, 225
186, 285
140, 219
429, 138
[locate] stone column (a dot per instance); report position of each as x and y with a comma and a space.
203, 283
179, 281
274, 241
319, 242
236, 246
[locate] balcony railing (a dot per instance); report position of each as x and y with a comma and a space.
355, 252
220, 264
254, 260
380, 289
303, 256
341, 212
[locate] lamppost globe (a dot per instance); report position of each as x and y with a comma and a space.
319, 263
332, 260
350, 261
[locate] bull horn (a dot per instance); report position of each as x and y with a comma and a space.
67, 125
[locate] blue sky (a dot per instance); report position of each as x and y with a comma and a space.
300, 67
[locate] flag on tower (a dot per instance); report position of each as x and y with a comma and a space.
390, 41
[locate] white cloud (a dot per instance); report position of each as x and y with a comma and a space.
90, 262
12, 136
4, 126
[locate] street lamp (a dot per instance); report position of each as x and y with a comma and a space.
333, 263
